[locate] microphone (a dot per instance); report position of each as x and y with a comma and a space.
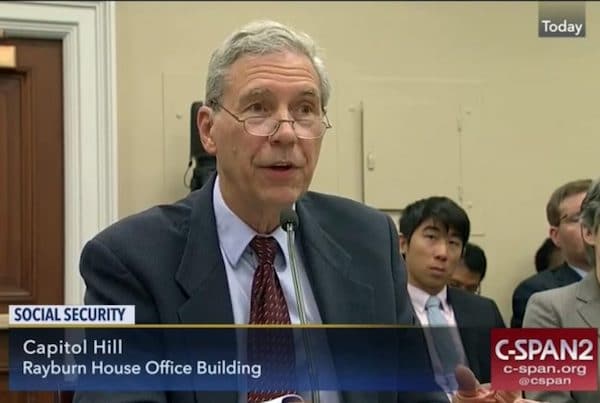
288, 219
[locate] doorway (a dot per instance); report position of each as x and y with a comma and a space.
31, 186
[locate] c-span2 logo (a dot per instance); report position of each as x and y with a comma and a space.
544, 359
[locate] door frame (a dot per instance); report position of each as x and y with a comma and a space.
87, 31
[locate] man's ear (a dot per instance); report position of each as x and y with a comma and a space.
553, 234
205, 122
402, 243
588, 236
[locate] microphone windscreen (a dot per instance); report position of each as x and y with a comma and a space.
288, 217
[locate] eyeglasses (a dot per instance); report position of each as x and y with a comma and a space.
312, 127
570, 218
473, 288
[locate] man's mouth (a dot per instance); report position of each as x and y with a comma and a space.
283, 166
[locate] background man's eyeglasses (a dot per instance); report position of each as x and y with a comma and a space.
570, 218
475, 289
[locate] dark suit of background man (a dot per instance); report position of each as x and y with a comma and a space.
433, 235
562, 213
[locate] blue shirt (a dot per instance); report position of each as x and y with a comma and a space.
241, 262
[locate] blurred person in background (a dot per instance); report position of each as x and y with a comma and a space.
562, 213
470, 270
548, 256
576, 305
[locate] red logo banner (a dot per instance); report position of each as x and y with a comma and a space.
544, 359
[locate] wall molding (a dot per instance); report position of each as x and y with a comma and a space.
87, 30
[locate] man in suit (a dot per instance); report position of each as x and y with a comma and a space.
576, 305
562, 213
433, 235
198, 261
220, 256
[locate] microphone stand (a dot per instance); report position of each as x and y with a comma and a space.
289, 229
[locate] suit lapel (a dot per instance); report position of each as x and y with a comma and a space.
466, 328
340, 298
460, 308
565, 275
588, 300
202, 276
201, 273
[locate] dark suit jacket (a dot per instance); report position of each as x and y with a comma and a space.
475, 317
545, 280
166, 261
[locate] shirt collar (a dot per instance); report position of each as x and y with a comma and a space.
234, 234
420, 297
582, 273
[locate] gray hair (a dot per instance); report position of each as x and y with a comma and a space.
590, 215
261, 38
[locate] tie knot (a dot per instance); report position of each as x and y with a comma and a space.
265, 248
433, 302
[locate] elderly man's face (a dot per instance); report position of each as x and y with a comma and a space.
265, 172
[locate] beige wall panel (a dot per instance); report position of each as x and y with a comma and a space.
179, 91
538, 120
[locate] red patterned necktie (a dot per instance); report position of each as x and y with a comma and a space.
274, 348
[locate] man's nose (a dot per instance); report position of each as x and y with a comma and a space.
442, 250
286, 132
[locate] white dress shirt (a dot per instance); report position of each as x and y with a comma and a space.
579, 271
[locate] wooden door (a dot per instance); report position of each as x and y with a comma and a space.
31, 187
